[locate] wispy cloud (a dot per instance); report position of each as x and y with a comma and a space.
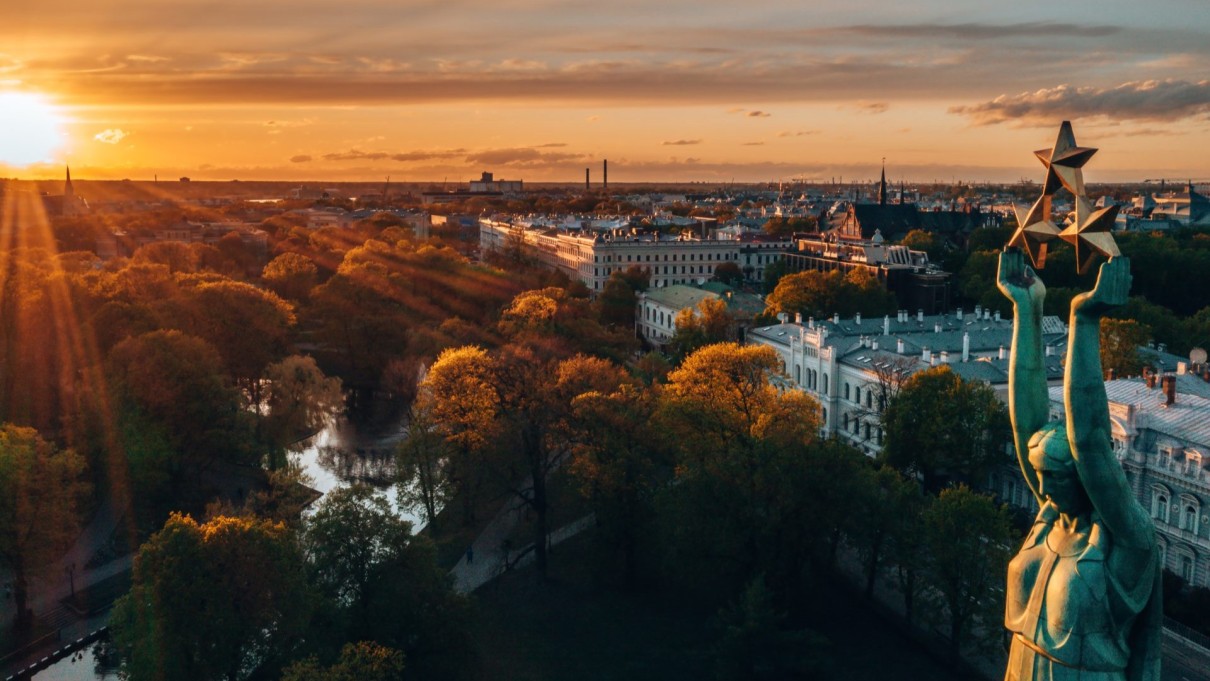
797, 133
301, 158
680, 143
873, 107
1150, 100
111, 135
759, 114
753, 144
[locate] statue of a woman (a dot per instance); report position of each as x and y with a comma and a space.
1083, 598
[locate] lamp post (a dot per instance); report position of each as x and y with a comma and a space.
71, 578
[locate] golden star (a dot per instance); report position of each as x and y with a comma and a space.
1064, 161
1034, 229
1091, 233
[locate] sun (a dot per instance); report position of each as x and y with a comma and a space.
30, 129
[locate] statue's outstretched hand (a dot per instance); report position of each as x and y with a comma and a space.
1111, 290
1018, 282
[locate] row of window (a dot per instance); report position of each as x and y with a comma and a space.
1188, 514
665, 257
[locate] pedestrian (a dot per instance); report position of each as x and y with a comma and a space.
470, 554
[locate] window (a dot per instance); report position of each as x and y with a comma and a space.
1159, 508
1187, 569
846, 391
1189, 519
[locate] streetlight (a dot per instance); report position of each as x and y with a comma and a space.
71, 577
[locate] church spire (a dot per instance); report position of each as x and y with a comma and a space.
882, 185
67, 189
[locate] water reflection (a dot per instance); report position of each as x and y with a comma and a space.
96, 662
358, 447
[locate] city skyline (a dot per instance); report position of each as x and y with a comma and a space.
541, 89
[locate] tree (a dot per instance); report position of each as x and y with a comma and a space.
707, 323
364, 661
291, 276
213, 601
422, 463
41, 492
896, 500
617, 302
753, 644
179, 257
1120, 343
381, 583
729, 273
967, 537
820, 294
301, 400
920, 240
941, 428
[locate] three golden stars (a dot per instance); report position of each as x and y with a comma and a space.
1090, 233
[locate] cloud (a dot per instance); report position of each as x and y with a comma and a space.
753, 144
679, 143
759, 114
797, 133
301, 158
110, 135
551, 145
1147, 100
402, 157
520, 156
873, 108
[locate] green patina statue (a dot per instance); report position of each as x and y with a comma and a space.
1083, 597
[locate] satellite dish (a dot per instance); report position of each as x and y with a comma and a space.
1197, 356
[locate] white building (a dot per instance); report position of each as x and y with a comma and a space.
592, 256
850, 365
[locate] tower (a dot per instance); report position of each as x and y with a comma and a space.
882, 185
68, 192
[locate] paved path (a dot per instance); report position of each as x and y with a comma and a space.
490, 559
49, 586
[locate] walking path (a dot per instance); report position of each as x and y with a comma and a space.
48, 587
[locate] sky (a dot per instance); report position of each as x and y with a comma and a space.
539, 90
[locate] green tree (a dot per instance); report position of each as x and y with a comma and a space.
943, 428
381, 583
729, 273
755, 645
967, 540
300, 401
895, 498
423, 479
213, 601
41, 493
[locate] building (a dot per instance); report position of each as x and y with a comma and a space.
895, 220
852, 365
655, 314
488, 183
916, 283
66, 203
592, 256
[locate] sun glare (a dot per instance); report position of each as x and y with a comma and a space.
30, 129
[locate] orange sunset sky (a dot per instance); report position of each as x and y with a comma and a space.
538, 90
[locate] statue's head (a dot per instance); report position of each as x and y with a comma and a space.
1050, 456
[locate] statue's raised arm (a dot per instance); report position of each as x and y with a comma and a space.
1088, 429
1028, 400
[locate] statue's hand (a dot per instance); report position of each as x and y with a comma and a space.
1018, 282
1111, 290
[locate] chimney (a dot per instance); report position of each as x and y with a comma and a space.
1206, 375
966, 347
798, 318
810, 322
1182, 368
920, 316
835, 317
978, 311
937, 327
958, 314
1110, 374
926, 355
886, 325
1169, 383
1003, 354
1149, 378
857, 319
873, 343
987, 314
899, 346
932, 361
997, 315
945, 357
1050, 351
782, 317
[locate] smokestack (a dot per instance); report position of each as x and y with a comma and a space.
587, 184
966, 347
605, 174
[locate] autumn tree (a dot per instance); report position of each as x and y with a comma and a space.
729, 273
941, 427
363, 661
967, 537
1120, 343
214, 601
177, 256
706, 323
42, 490
291, 276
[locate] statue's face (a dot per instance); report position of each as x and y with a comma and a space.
1063, 488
